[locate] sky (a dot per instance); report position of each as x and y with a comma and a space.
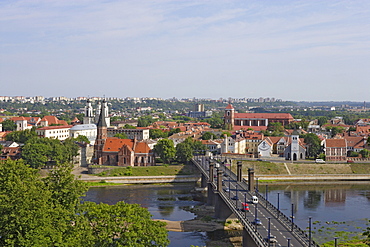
291, 50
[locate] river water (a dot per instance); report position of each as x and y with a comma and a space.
337, 210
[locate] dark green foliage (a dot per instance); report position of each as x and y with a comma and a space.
157, 133
9, 125
21, 136
144, 121
365, 153
208, 136
314, 144
165, 149
37, 152
47, 211
121, 136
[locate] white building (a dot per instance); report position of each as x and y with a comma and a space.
88, 130
139, 134
55, 132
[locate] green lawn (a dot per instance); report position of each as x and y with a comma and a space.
158, 170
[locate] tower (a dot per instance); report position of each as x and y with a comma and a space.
294, 145
101, 135
229, 117
89, 115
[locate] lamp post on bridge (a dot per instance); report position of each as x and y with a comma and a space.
256, 185
288, 242
292, 216
268, 231
266, 194
278, 204
335, 241
309, 230
255, 215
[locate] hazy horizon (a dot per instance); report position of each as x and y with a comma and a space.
290, 50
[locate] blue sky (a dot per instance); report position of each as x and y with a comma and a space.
294, 50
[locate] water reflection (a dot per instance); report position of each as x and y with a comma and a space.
333, 207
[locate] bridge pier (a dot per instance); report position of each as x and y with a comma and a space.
250, 179
248, 240
203, 181
239, 175
222, 210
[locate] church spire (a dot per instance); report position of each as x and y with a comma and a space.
102, 117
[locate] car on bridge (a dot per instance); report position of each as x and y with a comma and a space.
245, 207
257, 221
235, 198
226, 189
272, 240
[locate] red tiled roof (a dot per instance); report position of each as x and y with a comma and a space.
53, 120
55, 127
114, 144
229, 107
335, 143
265, 115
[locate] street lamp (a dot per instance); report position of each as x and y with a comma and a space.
256, 185
288, 242
292, 216
335, 241
268, 230
255, 215
278, 204
309, 231
266, 196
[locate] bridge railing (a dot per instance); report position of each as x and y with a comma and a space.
248, 226
302, 235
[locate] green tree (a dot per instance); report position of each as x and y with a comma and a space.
165, 149
174, 131
184, 152
157, 133
82, 139
144, 121
314, 144
364, 153
128, 126
334, 130
322, 120
21, 136
123, 224
275, 127
47, 212
208, 135
121, 136
9, 125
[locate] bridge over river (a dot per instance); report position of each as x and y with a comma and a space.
263, 224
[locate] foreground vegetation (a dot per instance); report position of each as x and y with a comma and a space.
48, 212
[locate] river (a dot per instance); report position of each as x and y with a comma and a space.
337, 209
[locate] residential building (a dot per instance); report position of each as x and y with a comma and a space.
335, 149
138, 133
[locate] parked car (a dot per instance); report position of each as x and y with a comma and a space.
350, 161
319, 161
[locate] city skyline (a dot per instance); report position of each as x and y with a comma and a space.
292, 50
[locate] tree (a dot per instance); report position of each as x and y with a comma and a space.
21, 136
275, 127
47, 212
184, 152
9, 125
208, 135
364, 153
121, 136
165, 149
314, 144
123, 224
335, 130
82, 139
128, 126
157, 133
144, 121
322, 120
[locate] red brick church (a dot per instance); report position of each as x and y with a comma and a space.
119, 152
255, 121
